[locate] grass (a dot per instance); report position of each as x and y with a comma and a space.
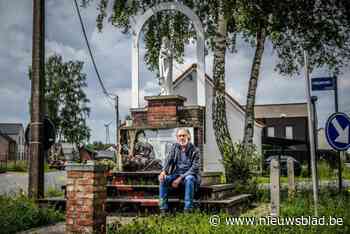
53, 192
22, 166
20, 213
330, 204
325, 172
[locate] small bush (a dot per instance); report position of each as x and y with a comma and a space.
240, 167
19, 165
21, 213
53, 192
324, 170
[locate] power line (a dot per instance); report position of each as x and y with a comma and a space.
90, 52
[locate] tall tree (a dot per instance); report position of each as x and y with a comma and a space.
66, 101
320, 27
220, 35
222, 133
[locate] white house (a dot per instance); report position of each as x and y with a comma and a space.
186, 86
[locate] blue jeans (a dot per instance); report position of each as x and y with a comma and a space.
190, 184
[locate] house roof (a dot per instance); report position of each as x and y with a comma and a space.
277, 110
6, 137
182, 76
209, 79
10, 128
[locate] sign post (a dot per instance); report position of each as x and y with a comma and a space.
329, 83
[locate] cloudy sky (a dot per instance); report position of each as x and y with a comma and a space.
112, 51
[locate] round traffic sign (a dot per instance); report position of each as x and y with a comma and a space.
337, 131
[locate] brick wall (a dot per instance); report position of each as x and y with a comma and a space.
86, 198
169, 112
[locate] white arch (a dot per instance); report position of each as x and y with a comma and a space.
137, 23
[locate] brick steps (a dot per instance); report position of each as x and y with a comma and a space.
219, 191
138, 192
151, 178
127, 205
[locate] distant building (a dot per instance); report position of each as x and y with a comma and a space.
289, 121
12, 141
69, 151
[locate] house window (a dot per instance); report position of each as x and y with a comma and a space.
289, 132
271, 131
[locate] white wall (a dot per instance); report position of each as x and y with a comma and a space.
235, 119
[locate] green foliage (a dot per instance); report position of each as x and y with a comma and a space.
108, 163
324, 170
20, 213
54, 192
172, 24
304, 170
240, 165
330, 205
66, 101
18, 165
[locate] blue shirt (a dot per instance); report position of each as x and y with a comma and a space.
183, 164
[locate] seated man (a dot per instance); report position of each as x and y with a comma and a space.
181, 168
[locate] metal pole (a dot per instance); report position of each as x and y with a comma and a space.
36, 163
336, 106
311, 133
315, 125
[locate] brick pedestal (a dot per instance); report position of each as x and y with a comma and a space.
86, 198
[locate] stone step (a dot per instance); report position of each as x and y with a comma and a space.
142, 206
151, 177
219, 191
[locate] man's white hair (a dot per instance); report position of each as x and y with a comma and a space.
186, 130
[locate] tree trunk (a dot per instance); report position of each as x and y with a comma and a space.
222, 135
253, 83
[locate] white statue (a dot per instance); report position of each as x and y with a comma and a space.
165, 67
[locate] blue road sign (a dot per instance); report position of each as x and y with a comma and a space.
337, 131
322, 83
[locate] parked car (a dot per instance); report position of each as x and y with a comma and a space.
283, 164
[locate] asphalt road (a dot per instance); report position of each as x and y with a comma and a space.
15, 182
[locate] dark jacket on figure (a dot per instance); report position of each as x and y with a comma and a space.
174, 154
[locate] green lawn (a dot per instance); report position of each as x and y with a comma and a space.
330, 205
22, 166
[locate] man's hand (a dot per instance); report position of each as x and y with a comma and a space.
176, 182
162, 176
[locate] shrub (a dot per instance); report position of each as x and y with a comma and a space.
240, 167
54, 192
324, 170
21, 213
19, 165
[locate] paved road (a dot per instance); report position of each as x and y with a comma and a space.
13, 182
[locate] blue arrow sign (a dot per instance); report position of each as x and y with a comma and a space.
322, 83
337, 131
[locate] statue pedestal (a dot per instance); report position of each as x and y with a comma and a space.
158, 123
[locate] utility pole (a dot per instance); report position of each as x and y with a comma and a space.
36, 163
